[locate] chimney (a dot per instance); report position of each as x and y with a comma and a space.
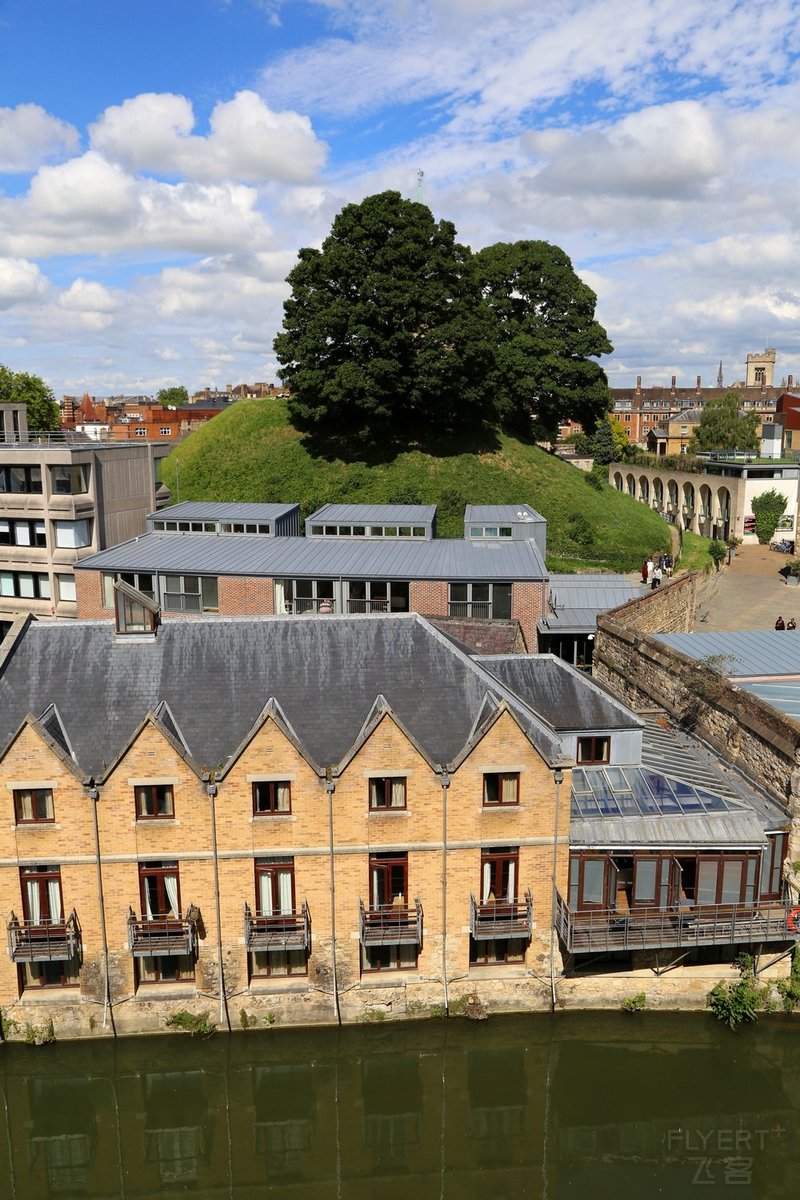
638, 383
790, 382
698, 383
674, 377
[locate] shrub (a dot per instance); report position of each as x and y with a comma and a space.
195, 1024
789, 989
633, 1004
718, 552
735, 1003
768, 508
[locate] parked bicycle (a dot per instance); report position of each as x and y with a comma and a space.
783, 546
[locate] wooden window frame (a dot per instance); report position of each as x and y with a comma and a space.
158, 871
144, 791
36, 820
387, 781
599, 750
501, 778
272, 809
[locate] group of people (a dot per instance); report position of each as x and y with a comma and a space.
790, 624
654, 572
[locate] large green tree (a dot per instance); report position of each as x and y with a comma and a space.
172, 397
545, 335
384, 336
723, 426
18, 387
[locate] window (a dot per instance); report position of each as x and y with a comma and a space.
500, 788
388, 893
22, 533
594, 749
498, 894
69, 480
189, 593
72, 535
66, 587
165, 430
141, 581
33, 805
480, 600
161, 905
43, 911
24, 585
21, 479
271, 796
387, 792
276, 912
140, 431
154, 800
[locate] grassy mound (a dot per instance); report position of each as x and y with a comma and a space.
250, 452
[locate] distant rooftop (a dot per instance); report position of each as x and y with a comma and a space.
374, 514
493, 513
212, 510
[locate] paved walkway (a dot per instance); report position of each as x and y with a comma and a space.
749, 594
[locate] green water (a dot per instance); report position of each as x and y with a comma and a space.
576, 1105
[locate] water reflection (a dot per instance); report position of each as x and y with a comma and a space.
573, 1106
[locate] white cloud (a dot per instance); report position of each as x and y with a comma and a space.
20, 282
247, 141
29, 136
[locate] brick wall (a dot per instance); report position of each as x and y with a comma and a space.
528, 604
89, 592
243, 596
428, 596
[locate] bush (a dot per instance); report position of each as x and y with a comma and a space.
633, 1004
718, 552
735, 1003
768, 508
195, 1024
789, 989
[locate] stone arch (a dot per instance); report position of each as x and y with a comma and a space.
723, 516
705, 514
689, 504
658, 493
644, 489
631, 485
672, 497
618, 481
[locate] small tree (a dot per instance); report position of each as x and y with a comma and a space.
768, 509
604, 445
18, 387
718, 552
724, 427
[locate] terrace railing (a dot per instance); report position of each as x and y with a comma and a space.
501, 918
43, 941
279, 931
390, 925
589, 931
153, 937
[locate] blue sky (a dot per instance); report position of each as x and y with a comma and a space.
161, 162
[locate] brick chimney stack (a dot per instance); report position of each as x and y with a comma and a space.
698, 383
674, 378
790, 382
638, 384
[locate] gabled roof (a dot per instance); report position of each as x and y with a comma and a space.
549, 685
205, 684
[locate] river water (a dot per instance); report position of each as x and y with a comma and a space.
573, 1105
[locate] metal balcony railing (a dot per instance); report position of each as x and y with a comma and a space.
157, 936
493, 919
43, 941
684, 925
470, 608
279, 931
390, 925
367, 606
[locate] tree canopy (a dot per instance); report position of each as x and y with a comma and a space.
394, 330
545, 335
723, 426
172, 397
18, 387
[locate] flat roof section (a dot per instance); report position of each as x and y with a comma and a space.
752, 653
213, 510
513, 514
321, 558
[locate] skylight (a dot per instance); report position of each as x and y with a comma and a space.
639, 792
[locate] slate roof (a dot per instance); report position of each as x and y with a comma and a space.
751, 653
211, 510
550, 685
216, 676
374, 514
322, 558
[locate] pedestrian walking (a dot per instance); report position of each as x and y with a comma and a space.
644, 571
657, 573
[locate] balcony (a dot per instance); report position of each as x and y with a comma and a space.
501, 918
43, 941
682, 926
158, 936
367, 606
390, 925
470, 608
281, 931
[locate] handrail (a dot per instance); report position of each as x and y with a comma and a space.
154, 936
44, 940
390, 924
501, 918
277, 931
681, 925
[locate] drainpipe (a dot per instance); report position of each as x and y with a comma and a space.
330, 788
224, 1015
558, 779
445, 781
93, 792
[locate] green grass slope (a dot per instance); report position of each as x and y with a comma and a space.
250, 452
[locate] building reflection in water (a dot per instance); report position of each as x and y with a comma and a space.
517, 1108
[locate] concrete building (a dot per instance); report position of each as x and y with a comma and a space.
59, 502
319, 820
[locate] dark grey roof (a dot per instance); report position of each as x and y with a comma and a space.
320, 558
507, 513
217, 675
681, 796
567, 699
375, 514
577, 600
212, 510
